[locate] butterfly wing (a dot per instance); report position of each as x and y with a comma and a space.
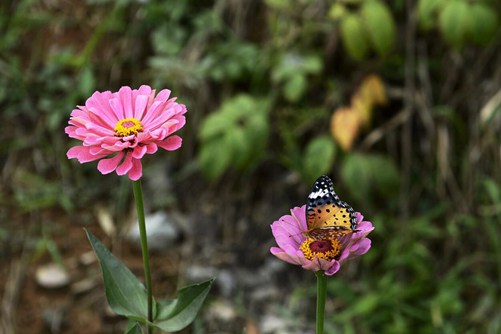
326, 214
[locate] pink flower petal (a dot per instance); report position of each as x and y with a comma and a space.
136, 171
284, 256
313, 265
286, 234
139, 152
171, 143
361, 247
117, 107
144, 90
157, 119
163, 95
180, 122
73, 152
140, 107
94, 125
116, 146
153, 110
333, 269
299, 214
151, 148
98, 103
83, 154
106, 166
126, 165
125, 94
96, 118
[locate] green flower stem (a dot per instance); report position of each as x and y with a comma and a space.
138, 196
321, 292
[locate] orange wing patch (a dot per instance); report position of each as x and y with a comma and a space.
327, 216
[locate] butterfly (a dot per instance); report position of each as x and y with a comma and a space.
326, 215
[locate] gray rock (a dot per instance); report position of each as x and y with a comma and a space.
161, 230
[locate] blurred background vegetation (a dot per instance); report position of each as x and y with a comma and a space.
397, 100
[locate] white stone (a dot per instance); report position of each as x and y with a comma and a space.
52, 276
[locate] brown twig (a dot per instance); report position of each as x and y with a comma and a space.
406, 149
10, 297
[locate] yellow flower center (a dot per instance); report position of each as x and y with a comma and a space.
326, 249
127, 127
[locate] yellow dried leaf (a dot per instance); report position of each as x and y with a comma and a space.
345, 125
372, 90
362, 106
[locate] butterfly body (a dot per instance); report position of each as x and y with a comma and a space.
326, 215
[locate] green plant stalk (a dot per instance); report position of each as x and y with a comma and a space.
321, 292
138, 196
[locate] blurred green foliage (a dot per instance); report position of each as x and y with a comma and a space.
234, 136
371, 25
370, 176
460, 21
261, 80
291, 72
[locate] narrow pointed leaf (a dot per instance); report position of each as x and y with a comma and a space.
174, 315
126, 295
133, 328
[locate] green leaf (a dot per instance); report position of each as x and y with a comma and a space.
293, 64
125, 294
239, 145
312, 64
295, 87
318, 157
214, 159
87, 81
214, 124
365, 305
385, 175
256, 135
337, 11
380, 26
454, 22
233, 136
174, 315
370, 174
293, 70
356, 174
427, 12
492, 189
133, 327
353, 36
484, 23
279, 4
34, 192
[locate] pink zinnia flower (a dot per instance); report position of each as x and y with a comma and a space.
120, 128
327, 255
